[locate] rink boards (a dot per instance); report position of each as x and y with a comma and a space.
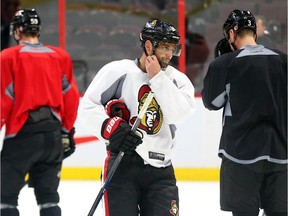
195, 157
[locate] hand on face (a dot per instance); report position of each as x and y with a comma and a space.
152, 66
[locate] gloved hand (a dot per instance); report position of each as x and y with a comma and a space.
222, 47
118, 108
68, 143
120, 136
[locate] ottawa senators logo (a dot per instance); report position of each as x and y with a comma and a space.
174, 208
153, 118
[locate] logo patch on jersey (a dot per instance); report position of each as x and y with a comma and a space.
153, 118
174, 208
156, 156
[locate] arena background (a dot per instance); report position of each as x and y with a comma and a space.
96, 32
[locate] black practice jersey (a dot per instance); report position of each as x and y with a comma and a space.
251, 85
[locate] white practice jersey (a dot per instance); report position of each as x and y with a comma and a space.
173, 103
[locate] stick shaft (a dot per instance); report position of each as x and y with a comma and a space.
120, 155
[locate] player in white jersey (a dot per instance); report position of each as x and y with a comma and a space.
144, 182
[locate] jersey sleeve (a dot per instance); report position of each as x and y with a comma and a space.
214, 93
91, 110
7, 91
70, 94
175, 94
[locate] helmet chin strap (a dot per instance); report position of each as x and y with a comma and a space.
17, 39
232, 44
17, 35
153, 53
145, 51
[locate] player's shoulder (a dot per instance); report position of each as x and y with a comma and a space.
11, 49
225, 58
10, 52
58, 50
174, 73
172, 70
118, 68
278, 52
119, 64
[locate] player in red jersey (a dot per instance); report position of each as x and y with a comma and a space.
39, 101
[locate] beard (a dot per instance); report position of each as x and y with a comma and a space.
163, 62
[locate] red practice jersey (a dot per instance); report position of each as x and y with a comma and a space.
36, 75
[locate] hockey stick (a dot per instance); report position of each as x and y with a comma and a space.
120, 155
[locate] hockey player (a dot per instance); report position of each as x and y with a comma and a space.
250, 83
39, 101
144, 182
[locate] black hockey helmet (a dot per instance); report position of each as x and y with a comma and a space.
222, 47
238, 20
158, 31
27, 20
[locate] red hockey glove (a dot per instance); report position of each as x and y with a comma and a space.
120, 136
118, 108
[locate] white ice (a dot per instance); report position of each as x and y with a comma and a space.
77, 197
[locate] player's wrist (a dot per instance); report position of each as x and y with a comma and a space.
110, 125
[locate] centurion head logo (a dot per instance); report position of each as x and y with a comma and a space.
174, 208
153, 118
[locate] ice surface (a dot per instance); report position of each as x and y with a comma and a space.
77, 197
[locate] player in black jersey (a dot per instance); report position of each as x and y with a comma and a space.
249, 82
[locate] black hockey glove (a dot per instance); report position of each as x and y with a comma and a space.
222, 47
68, 143
118, 108
120, 136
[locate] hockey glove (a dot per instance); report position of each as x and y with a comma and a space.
118, 108
222, 47
120, 136
68, 143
